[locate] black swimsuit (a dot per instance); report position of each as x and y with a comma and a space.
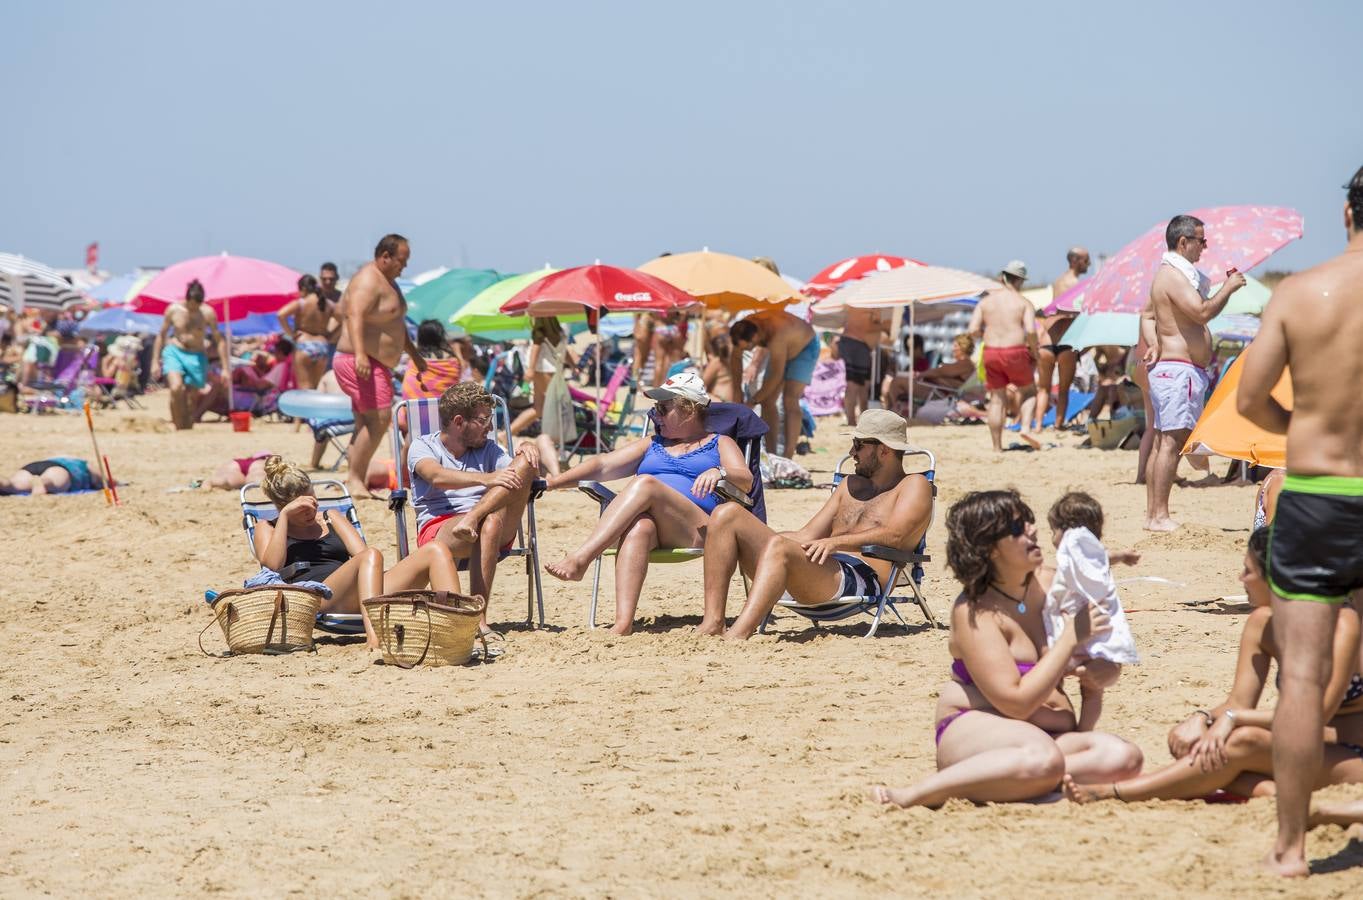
314, 559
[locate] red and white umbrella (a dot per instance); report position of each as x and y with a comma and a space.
853, 268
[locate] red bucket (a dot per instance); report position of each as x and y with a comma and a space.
241, 421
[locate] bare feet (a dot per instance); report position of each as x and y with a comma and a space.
358, 490
1207, 480
567, 569
622, 630
1086, 793
1165, 524
1029, 440
888, 796
710, 629
1288, 866
466, 529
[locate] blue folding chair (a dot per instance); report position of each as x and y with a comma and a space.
423, 418
906, 569
331, 495
732, 419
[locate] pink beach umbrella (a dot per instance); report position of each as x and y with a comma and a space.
839, 273
1237, 236
235, 286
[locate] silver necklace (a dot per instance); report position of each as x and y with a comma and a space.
1020, 602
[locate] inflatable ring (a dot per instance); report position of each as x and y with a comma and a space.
316, 405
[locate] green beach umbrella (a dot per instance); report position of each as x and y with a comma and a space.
482, 317
442, 297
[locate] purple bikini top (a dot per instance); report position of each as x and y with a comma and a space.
962, 674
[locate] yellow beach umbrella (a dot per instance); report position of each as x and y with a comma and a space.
721, 281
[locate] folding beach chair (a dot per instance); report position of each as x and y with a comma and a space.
330, 431
423, 418
732, 419
69, 373
618, 418
331, 495
906, 569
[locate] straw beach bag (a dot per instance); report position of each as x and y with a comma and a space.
432, 627
274, 619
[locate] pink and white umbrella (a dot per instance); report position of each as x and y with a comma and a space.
235, 286
835, 276
1238, 237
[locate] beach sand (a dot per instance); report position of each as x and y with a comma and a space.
579, 763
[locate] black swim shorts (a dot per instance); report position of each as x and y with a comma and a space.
1315, 547
856, 359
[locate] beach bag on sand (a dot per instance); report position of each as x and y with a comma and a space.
436, 628
274, 619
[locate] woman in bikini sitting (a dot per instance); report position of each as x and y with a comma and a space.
1230, 747
314, 329
1005, 729
668, 503
325, 547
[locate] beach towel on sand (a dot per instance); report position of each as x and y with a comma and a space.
1082, 575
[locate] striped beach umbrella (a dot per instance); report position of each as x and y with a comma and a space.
25, 284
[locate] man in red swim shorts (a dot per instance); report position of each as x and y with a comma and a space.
1006, 321
373, 339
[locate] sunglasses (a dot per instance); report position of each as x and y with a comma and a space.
1016, 528
858, 443
1199, 240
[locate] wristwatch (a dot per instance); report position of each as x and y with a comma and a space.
723, 474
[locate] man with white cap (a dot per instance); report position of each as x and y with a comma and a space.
1006, 321
878, 504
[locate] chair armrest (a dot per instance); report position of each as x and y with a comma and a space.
729, 492
537, 488
397, 499
597, 491
890, 554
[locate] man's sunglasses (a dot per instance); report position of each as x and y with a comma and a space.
858, 443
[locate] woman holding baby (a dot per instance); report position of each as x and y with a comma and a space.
1005, 729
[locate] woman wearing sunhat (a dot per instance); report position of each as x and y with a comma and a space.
668, 503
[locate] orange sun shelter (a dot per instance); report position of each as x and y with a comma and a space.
1222, 431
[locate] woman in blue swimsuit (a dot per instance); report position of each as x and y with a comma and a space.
669, 500
1005, 729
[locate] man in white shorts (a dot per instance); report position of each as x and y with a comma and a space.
1174, 326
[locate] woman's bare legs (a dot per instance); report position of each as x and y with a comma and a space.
985, 758
549, 455
1250, 750
1092, 756
679, 523
539, 382
358, 579
631, 566
431, 564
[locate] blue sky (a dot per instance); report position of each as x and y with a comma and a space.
507, 135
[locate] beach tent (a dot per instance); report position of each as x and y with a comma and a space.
120, 320
1222, 431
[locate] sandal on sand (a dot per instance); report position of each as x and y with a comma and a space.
494, 641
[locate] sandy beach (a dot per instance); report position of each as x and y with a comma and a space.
578, 763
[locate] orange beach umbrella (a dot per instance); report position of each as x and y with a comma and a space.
1222, 431
721, 281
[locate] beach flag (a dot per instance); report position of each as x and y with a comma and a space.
92, 256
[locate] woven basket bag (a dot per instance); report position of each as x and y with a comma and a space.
436, 628
275, 619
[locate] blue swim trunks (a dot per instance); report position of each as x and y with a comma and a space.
801, 367
192, 367
78, 469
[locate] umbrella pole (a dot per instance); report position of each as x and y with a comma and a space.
599, 411
227, 321
873, 395
911, 317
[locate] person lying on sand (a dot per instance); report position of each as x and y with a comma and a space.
57, 475
236, 473
334, 552
1230, 747
468, 492
669, 501
878, 504
1005, 729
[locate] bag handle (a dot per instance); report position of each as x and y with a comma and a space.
281, 605
388, 632
219, 609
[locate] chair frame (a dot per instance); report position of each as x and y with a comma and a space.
906, 571
422, 412
253, 511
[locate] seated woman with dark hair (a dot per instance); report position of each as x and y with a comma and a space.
1230, 746
1005, 729
668, 503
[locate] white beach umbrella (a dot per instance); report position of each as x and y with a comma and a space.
25, 283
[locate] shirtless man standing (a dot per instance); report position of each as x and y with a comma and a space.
792, 351
1006, 321
182, 358
1054, 354
862, 336
878, 504
1179, 350
373, 338
1313, 325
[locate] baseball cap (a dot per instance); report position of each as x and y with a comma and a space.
1017, 268
884, 426
686, 385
